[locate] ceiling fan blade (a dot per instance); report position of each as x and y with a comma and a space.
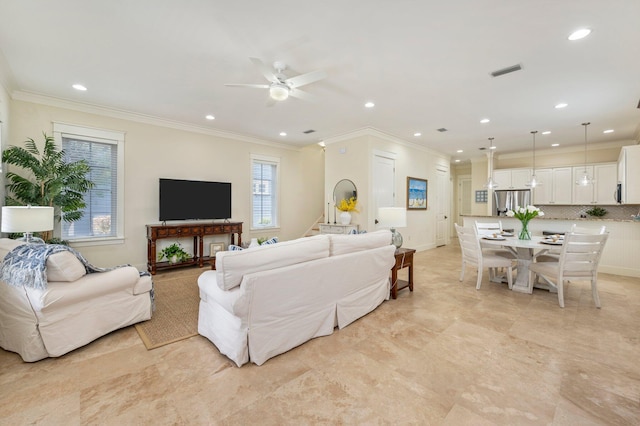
310, 77
297, 93
257, 86
265, 70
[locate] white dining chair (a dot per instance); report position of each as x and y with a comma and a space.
473, 255
579, 259
488, 229
554, 255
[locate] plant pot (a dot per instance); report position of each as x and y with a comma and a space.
173, 259
345, 218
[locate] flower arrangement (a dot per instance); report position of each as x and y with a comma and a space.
524, 215
347, 205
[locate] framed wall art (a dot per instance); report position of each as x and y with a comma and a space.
215, 248
416, 194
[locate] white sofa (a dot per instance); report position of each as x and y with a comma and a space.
264, 301
74, 309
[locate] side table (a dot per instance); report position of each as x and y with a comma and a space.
404, 259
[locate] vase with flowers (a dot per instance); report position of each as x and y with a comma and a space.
524, 215
346, 207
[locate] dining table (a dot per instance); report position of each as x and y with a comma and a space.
525, 251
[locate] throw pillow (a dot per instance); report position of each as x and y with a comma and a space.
233, 247
270, 241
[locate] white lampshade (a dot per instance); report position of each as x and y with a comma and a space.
26, 219
279, 92
392, 217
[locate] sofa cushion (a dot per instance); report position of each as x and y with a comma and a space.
341, 244
64, 266
6, 245
231, 266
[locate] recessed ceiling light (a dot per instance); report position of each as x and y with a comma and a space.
369, 105
561, 105
493, 147
416, 134
546, 132
79, 87
457, 161
322, 144
578, 34
210, 117
283, 133
609, 131
459, 151
485, 120
555, 144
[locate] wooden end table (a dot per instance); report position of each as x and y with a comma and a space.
404, 259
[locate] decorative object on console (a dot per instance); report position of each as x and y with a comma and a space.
524, 215
416, 193
585, 179
392, 218
253, 243
174, 253
27, 219
346, 207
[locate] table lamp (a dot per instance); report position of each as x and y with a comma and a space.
27, 219
392, 218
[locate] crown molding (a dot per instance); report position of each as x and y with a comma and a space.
563, 150
372, 131
139, 118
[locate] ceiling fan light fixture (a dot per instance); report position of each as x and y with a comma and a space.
279, 92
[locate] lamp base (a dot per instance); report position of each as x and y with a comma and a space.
28, 238
396, 238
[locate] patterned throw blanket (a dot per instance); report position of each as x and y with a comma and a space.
26, 265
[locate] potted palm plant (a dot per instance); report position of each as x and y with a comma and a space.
49, 180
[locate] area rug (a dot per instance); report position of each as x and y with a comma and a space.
176, 315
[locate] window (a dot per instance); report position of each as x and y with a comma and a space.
103, 150
264, 178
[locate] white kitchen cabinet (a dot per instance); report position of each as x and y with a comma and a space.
512, 178
629, 174
601, 191
556, 186
606, 178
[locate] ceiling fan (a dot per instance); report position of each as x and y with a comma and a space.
280, 86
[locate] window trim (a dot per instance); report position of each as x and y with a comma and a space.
265, 159
112, 137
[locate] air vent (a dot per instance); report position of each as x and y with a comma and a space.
442, 130
482, 148
506, 70
306, 132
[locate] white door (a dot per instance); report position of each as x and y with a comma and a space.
442, 207
464, 198
383, 183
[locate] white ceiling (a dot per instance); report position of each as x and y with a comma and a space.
425, 64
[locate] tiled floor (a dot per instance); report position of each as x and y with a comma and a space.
444, 354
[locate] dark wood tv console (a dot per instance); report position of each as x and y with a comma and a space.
184, 230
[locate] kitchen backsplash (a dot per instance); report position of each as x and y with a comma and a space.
616, 212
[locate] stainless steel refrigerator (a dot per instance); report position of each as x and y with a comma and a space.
504, 200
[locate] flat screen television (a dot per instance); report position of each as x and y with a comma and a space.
194, 199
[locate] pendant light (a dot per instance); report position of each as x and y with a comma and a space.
585, 179
534, 181
491, 184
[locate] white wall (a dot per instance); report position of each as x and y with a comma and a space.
153, 151
351, 157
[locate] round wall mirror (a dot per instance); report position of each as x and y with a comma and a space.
344, 190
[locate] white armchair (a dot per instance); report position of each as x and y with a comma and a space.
74, 309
